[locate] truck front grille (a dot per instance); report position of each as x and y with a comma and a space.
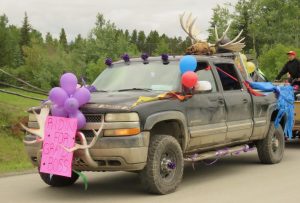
88, 133
93, 118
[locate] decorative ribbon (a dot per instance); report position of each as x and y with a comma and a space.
168, 95
83, 177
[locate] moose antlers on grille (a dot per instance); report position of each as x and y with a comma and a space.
41, 119
202, 47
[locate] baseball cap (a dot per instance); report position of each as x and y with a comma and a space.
292, 53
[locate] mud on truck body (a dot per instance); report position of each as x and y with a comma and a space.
156, 138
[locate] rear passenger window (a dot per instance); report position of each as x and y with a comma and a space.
228, 76
204, 73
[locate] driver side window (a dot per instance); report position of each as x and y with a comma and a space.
204, 73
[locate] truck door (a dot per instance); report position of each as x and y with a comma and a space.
237, 102
206, 113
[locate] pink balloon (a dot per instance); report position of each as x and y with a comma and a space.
58, 111
189, 79
58, 96
83, 95
81, 121
68, 82
71, 105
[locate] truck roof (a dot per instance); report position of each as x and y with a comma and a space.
217, 58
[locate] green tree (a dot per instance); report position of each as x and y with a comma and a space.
220, 19
48, 38
133, 38
272, 60
162, 48
25, 32
127, 36
152, 41
63, 39
141, 39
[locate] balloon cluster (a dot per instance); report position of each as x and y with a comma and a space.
188, 65
68, 98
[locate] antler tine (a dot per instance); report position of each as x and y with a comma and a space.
235, 43
41, 119
32, 131
191, 28
236, 38
186, 25
225, 33
85, 145
182, 24
97, 133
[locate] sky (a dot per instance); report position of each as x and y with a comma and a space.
79, 16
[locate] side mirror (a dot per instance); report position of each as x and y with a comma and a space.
203, 86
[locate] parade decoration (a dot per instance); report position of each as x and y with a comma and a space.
250, 67
67, 99
187, 63
59, 132
108, 62
41, 120
145, 56
189, 79
202, 47
126, 58
165, 58
285, 103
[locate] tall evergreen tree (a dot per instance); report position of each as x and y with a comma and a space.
49, 38
152, 41
134, 37
141, 39
63, 39
126, 34
25, 32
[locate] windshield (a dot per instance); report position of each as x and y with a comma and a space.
138, 76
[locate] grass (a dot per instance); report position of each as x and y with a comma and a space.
12, 111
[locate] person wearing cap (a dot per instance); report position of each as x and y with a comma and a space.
292, 67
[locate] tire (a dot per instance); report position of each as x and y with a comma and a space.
271, 148
59, 181
164, 169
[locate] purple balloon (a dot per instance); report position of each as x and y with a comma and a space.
71, 105
81, 121
83, 95
58, 96
58, 111
68, 82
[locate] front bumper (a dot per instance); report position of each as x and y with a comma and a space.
108, 154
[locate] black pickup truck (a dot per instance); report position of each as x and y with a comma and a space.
155, 138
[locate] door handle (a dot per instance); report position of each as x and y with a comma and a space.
221, 101
245, 101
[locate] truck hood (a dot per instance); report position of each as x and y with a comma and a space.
115, 101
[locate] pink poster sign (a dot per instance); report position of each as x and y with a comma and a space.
59, 132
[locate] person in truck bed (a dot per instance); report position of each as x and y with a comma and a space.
292, 67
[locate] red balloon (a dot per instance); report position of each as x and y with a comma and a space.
189, 79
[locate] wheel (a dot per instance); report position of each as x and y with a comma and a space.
164, 168
271, 148
59, 181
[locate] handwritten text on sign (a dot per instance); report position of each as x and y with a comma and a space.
59, 132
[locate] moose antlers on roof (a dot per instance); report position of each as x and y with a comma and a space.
199, 46
234, 45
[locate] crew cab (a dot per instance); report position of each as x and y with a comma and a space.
155, 137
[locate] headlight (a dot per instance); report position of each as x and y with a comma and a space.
122, 132
122, 117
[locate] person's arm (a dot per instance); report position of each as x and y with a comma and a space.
283, 71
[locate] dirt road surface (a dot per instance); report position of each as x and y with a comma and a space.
240, 179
